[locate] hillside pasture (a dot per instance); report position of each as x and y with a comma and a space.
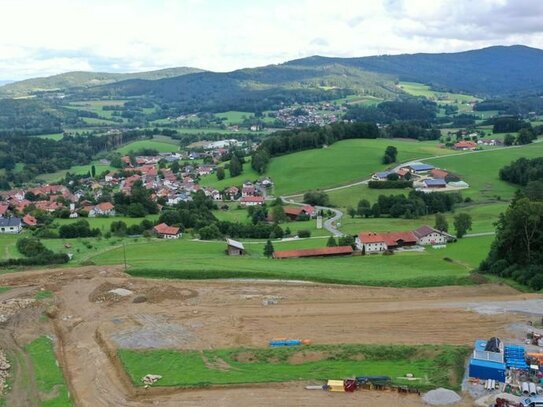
76, 169
158, 145
234, 117
201, 260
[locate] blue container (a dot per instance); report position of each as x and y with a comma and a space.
484, 369
286, 342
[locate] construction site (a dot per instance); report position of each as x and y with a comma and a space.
95, 312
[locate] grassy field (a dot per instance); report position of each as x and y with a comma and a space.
54, 136
7, 246
76, 169
458, 99
49, 379
483, 217
234, 366
481, 169
161, 147
341, 163
202, 260
104, 223
248, 175
234, 117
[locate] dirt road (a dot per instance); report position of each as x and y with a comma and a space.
91, 322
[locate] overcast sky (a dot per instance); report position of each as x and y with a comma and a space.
44, 37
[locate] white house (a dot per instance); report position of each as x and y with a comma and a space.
11, 225
102, 209
430, 236
167, 232
371, 242
252, 201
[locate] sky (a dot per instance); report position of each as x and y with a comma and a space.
40, 38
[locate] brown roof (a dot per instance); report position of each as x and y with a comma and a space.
105, 206
293, 211
437, 173
164, 229
324, 251
371, 237
465, 144
252, 199
392, 238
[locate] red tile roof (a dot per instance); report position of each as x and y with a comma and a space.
252, 199
392, 238
164, 229
437, 173
371, 237
465, 144
324, 251
105, 206
293, 211
30, 220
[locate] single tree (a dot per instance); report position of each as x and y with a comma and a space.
364, 208
441, 223
220, 173
93, 171
351, 211
331, 242
278, 214
235, 166
175, 167
268, 249
462, 223
509, 139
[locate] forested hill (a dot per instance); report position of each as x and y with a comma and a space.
493, 71
83, 79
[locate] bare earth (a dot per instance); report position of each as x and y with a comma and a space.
90, 322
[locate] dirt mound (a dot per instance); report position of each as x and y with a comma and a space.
158, 294
103, 293
306, 357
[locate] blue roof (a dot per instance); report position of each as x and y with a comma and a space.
435, 182
421, 167
487, 363
383, 174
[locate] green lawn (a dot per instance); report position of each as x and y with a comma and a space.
49, 378
104, 224
55, 136
76, 169
234, 117
161, 147
483, 217
419, 89
438, 365
248, 175
481, 170
342, 163
195, 259
7, 246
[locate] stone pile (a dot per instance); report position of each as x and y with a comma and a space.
150, 379
10, 307
4, 371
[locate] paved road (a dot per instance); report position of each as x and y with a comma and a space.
328, 224
480, 234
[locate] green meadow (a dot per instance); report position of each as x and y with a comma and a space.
438, 365
76, 169
48, 375
161, 147
234, 117
202, 260
481, 169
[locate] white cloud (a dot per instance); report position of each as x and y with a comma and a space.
39, 37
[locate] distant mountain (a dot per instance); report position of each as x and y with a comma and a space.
493, 71
70, 80
5, 82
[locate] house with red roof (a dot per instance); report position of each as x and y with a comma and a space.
30, 220
439, 174
164, 231
371, 242
252, 201
102, 209
465, 145
427, 235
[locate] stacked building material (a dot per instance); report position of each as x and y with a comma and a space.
515, 357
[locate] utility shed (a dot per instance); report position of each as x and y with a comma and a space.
234, 248
485, 369
335, 385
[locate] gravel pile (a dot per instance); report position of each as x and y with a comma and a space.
441, 397
13, 306
4, 371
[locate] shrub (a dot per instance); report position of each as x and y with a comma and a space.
304, 233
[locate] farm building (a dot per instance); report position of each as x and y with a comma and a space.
373, 242
419, 168
427, 235
465, 145
321, 252
10, 225
295, 213
234, 248
164, 231
435, 183
439, 174
102, 209
30, 220
252, 200
381, 176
